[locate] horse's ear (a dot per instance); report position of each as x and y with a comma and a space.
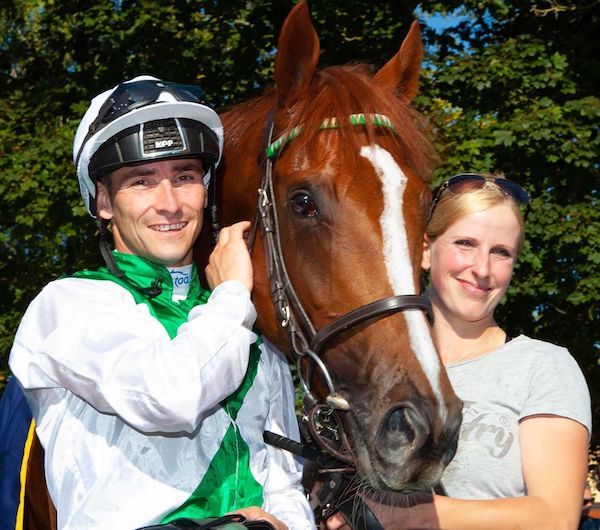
297, 55
402, 71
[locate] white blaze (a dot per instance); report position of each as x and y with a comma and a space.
398, 264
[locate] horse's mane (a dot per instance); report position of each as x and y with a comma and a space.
339, 91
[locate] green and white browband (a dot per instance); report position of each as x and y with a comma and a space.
379, 120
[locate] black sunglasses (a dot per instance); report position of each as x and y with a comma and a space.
474, 181
129, 96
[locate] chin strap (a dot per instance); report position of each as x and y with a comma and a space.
105, 250
213, 213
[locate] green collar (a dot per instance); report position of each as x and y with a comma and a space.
151, 284
147, 277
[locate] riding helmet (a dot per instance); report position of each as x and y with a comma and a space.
144, 120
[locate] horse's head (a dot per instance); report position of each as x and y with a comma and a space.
350, 202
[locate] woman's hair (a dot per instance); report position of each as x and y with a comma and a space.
454, 206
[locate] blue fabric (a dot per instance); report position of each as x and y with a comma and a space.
15, 419
589, 523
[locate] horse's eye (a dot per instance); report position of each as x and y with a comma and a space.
303, 204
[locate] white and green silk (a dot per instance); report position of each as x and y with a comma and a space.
151, 409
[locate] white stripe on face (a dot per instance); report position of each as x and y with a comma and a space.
398, 263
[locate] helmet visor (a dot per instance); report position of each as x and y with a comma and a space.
129, 96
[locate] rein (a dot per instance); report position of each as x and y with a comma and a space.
306, 341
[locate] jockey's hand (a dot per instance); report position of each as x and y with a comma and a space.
230, 260
254, 513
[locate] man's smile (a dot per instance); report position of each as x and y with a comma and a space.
167, 227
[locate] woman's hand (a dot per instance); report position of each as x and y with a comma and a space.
337, 522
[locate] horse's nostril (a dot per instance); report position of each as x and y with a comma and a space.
398, 423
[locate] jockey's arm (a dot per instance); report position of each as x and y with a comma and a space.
283, 494
94, 340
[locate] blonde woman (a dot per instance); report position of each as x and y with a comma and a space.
522, 452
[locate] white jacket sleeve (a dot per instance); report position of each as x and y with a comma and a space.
91, 338
283, 492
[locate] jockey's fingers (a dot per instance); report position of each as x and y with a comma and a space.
232, 233
237, 230
254, 513
223, 236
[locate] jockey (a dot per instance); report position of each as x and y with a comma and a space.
150, 393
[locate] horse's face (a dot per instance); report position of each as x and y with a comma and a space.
351, 217
351, 232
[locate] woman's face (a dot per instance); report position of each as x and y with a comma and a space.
472, 262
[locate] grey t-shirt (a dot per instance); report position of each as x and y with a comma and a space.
523, 377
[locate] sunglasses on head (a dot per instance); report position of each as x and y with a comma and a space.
474, 181
129, 96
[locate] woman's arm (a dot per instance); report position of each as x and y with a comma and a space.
554, 462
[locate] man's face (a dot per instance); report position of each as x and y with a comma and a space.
156, 209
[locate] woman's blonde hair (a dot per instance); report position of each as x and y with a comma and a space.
454, 206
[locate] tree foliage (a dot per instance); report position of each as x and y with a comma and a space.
511, 87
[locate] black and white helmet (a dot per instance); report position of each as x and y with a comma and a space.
144, 119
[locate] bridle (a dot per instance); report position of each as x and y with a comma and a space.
307, 343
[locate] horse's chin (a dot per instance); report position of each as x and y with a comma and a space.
404, 499
399, 480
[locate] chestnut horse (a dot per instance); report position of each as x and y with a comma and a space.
343, 199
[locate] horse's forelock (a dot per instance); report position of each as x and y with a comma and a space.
339, 91
344, 90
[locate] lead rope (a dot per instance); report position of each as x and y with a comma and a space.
337, 491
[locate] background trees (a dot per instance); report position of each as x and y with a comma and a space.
510, 86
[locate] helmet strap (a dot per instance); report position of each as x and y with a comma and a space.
212, 205
105, 249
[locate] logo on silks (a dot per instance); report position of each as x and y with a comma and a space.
179, 278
